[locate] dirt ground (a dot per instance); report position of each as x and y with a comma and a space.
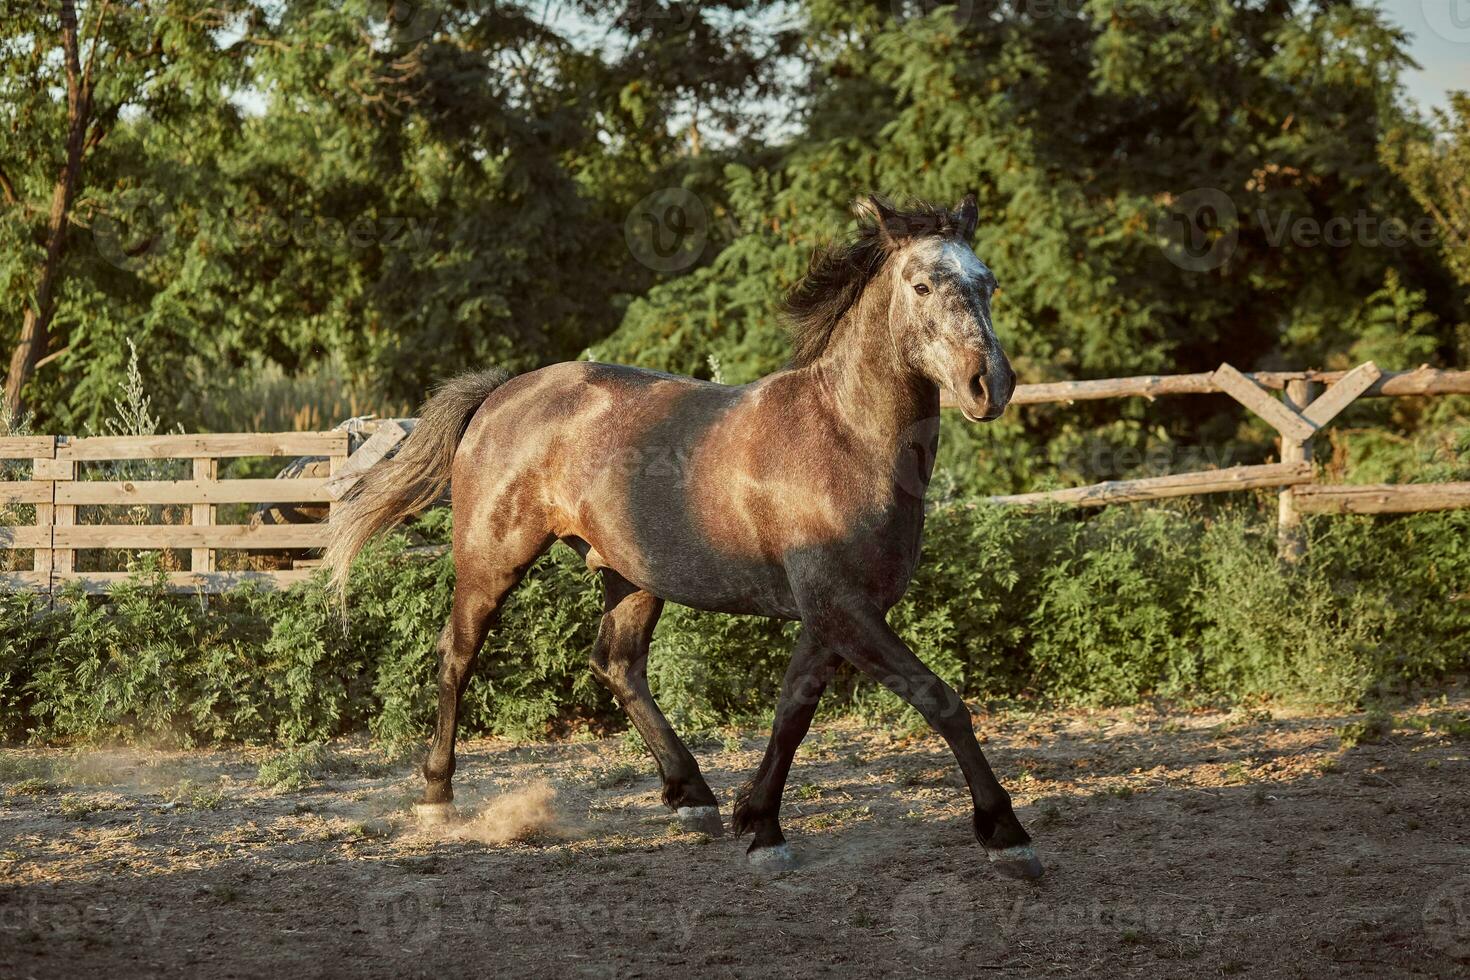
1177, 844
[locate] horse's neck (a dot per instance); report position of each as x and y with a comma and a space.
866, 381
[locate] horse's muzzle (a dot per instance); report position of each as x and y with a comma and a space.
988, 391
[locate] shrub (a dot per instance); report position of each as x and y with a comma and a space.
1064, 606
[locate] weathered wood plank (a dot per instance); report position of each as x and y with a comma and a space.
1254, 397
206, 469
25, 492
25, 581
186, 536
27, 447
27, 536
1177, 485
1291, 544
45, 517
211, 445
1383, 498
1342, 394
208, 582
1420, 381
63, 472
299, 491
1394, 384
378, 445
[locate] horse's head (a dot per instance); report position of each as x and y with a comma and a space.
940, 309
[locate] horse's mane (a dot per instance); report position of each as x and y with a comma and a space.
840, 271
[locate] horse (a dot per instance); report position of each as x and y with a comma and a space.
798, 496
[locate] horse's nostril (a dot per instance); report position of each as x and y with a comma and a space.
978, 389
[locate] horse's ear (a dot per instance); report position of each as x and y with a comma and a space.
873, 210
967, 215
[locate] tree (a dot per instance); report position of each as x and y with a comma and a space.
80, 133
389, 190
109, 59
1437, 169
1144, 168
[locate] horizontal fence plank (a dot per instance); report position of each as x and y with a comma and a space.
25, 581
1382, 498
24, 536
27, 447
26, 492
188, 536
211, 582
1392, 384
96, 583
1177, 485
284, 491
207, 445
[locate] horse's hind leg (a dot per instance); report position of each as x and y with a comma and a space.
480, 589
620, 661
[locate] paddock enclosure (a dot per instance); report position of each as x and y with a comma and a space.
59, 482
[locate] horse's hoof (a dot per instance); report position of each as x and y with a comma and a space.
435, 814
772, 859
701, 819
1020, 863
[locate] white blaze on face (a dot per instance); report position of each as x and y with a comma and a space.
959, 260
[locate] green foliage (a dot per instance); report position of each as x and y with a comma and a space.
1437, 170
1108, 608
1081, 126
286, 188
293, 768
1374, 727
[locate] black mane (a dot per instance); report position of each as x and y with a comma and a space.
839, 272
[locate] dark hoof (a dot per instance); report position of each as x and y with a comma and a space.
701, 820
1020, 863
772, 860
435, 814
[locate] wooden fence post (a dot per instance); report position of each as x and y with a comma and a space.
335, 466
1290, 542
200, 515
54, 561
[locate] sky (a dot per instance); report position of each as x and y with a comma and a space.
1440, 43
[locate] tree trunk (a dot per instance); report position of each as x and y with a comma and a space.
35, 328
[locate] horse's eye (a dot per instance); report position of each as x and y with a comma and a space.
921, 289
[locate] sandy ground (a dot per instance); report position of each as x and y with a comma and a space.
1177, 844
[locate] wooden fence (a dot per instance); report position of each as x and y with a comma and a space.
1312, 399
56, 493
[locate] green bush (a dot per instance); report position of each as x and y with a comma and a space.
1060, 606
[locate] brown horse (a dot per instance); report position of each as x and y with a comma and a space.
797, 496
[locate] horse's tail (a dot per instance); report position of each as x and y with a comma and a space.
410, 481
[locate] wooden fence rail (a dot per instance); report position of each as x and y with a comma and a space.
1311, 400
56, 492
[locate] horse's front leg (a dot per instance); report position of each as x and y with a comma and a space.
758, 804
855, 628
